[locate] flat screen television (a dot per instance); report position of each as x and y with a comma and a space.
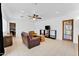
47, 27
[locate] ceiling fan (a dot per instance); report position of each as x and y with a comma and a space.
35, 17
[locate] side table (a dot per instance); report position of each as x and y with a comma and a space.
8, 40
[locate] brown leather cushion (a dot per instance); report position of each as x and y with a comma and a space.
32, 33
35, 38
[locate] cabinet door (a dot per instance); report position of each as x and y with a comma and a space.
68, 30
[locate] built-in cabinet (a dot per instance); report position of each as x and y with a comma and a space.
47, 32
68, 30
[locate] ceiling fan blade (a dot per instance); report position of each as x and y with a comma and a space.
29, 16
34, 14
39, 18
22, 16
37, 15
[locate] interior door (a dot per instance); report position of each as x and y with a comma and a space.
68, 29
1, 34
13, 29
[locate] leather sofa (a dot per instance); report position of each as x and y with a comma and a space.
32, 34
30, 41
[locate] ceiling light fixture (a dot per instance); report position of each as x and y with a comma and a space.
35, 16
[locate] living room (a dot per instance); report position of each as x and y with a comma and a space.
52, 15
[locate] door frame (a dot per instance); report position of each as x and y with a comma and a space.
2, 51
63, 28
15, 26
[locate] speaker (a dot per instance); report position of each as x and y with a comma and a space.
47, 27
1, 34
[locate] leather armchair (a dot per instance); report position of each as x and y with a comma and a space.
30, 41
32, 33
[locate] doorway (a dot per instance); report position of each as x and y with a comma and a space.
68, 30
13, 29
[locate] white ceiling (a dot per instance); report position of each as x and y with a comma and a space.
46, 10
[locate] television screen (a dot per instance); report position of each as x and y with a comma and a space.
47, 27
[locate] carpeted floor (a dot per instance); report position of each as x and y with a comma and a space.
48, 48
